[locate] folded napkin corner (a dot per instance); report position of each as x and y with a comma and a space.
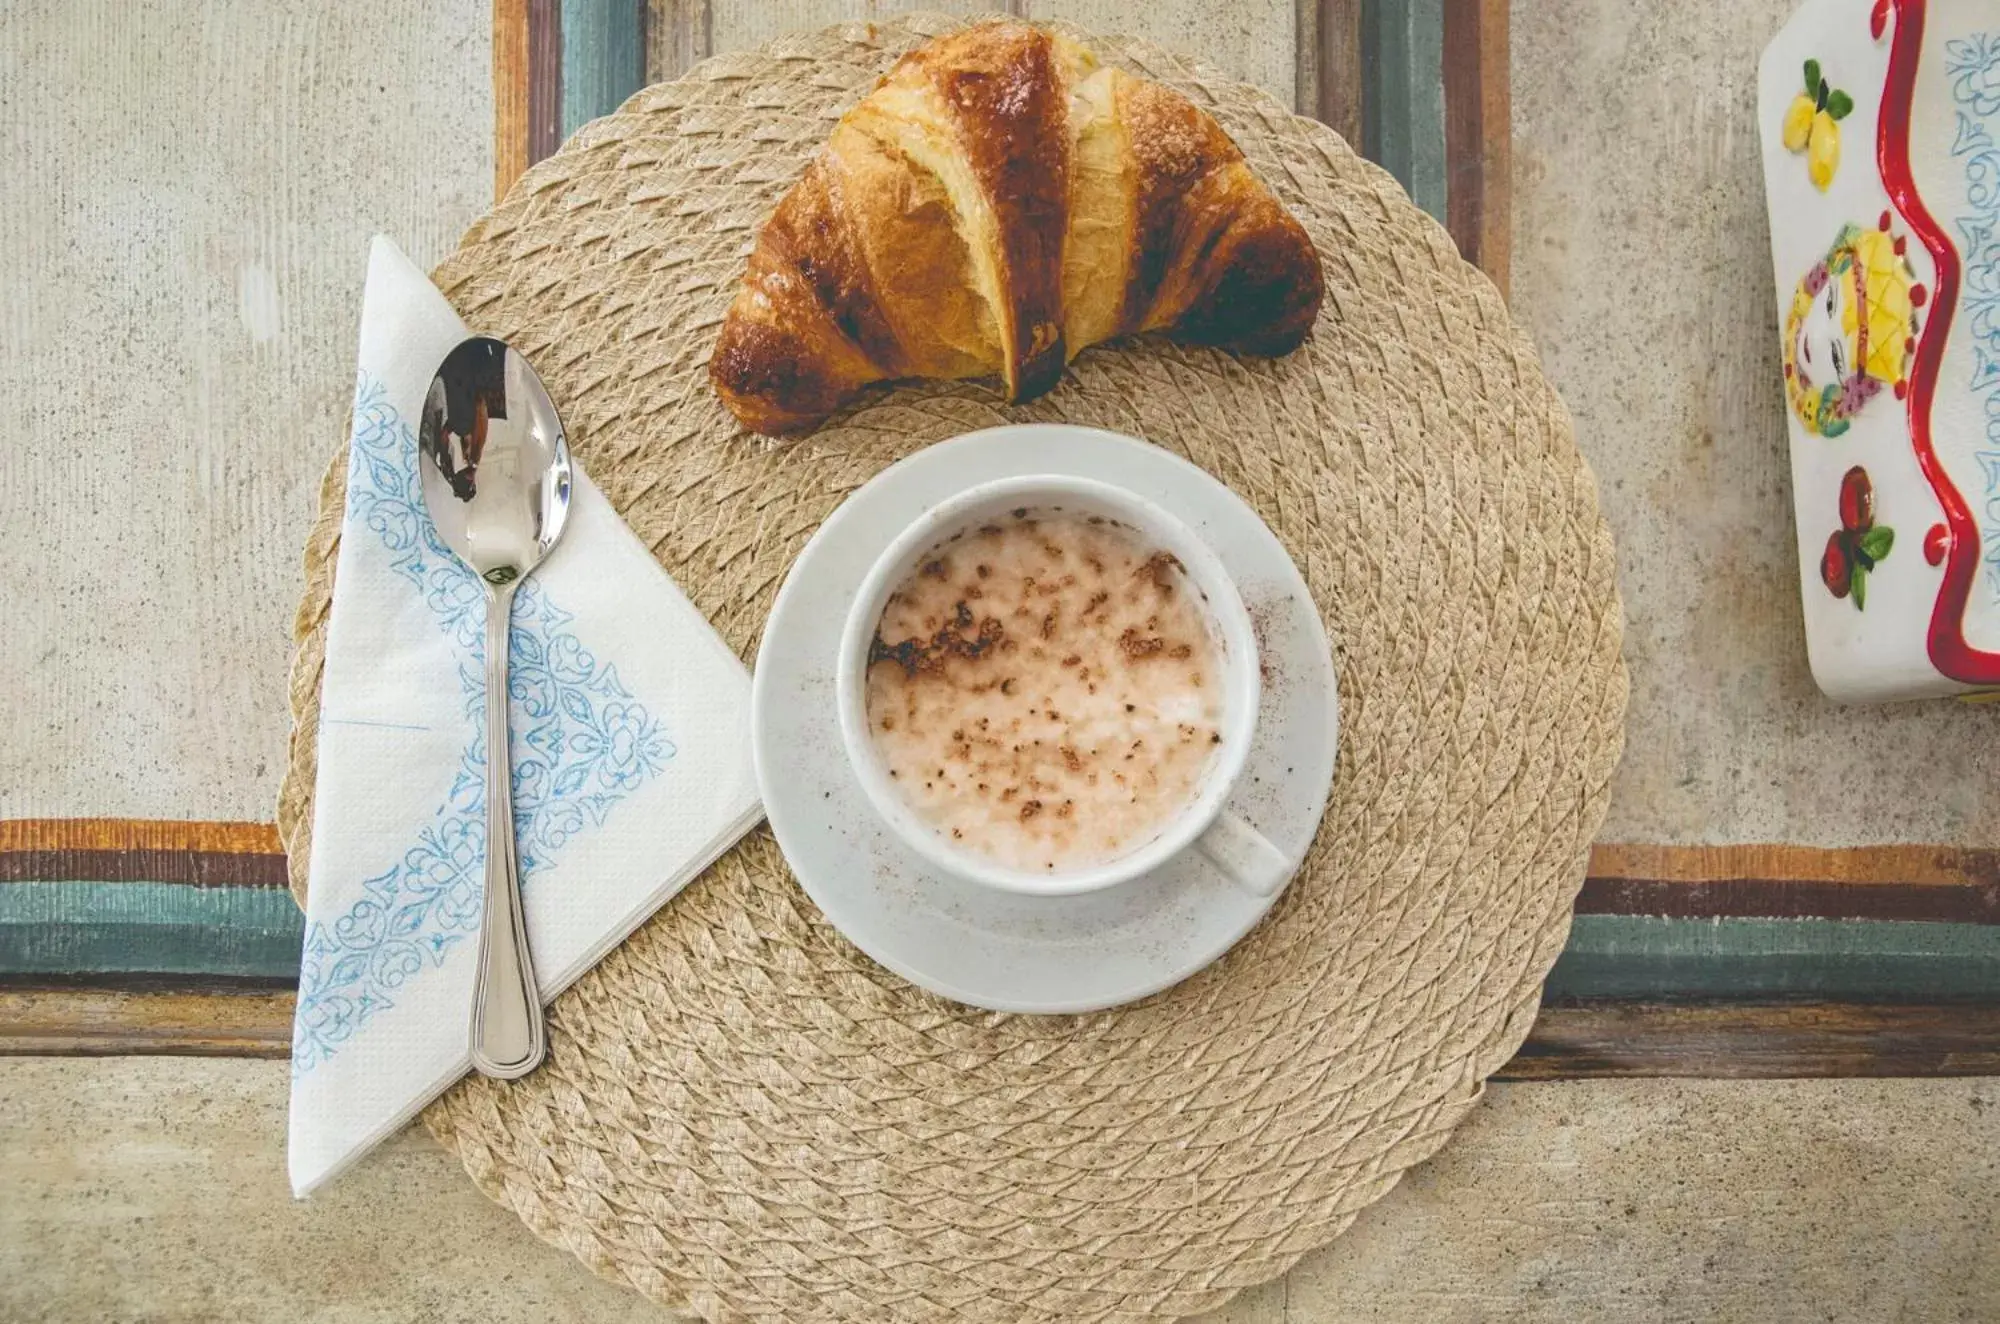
631, 758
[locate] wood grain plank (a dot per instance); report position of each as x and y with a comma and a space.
1496, 122
679, 35
1951, 865
140, 850
1337, 69
1478, 133
1763, 898
1867, 882
1761, 959
60, 834
77, 929
1773, 880
510, 93
1579, 1041
603, 57
545, 75
98, 1022
1758, 1042
1402, 55
1739, 921
189, 868
87, 927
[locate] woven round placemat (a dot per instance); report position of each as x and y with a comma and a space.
741, 1114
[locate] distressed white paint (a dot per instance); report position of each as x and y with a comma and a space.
258, 305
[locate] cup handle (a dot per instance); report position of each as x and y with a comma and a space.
1242, 852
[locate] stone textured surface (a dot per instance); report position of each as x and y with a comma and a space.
1642, 267
1641, 1200
184, 230
153, 1189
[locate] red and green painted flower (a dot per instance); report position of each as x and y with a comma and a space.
1859, 544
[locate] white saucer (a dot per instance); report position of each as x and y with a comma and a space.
967, 942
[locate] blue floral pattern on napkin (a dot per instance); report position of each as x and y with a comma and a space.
581, 744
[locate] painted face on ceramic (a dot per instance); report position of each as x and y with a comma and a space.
1825, 350
1851, 328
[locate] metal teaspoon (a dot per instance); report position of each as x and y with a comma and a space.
496, 476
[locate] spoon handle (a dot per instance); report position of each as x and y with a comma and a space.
507, 1035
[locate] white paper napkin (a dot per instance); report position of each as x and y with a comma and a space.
631, 759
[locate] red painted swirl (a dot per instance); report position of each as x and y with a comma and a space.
1949, 651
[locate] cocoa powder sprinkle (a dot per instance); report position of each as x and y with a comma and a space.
1076, 614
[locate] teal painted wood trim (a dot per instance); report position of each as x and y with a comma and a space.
82, 928
1630, 956
122, 929
1402, 101
603, 57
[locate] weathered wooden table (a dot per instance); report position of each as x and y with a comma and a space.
1785, 888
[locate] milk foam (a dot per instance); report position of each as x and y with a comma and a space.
1046, 690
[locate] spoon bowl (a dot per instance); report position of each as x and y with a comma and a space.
494, 461
494, 467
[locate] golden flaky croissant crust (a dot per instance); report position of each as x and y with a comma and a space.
996, 204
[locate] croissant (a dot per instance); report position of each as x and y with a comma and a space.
997, 203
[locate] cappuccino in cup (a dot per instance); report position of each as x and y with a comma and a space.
1044, 690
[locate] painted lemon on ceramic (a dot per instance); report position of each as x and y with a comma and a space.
1851, 329
1812, 125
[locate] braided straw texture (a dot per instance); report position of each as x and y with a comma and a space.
744, 1117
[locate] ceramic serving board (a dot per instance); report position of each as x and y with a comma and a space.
1880, 122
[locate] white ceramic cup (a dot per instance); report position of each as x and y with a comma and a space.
1238, 849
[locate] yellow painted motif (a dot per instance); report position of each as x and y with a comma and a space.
1798, 123
1812, 126
1851, 329
1823, 151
